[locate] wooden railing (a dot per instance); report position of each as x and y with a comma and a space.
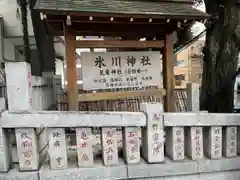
194, 143
129, 103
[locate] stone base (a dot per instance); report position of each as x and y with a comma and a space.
96, 172
205, 169
14, 174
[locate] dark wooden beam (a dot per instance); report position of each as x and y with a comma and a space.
168, 75
138, 28
118, 34
112, 20
117, 30
78, 14
110, 27
120, 95
118, 44
70, 46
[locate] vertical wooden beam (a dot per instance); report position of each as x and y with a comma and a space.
70, 47
168, 74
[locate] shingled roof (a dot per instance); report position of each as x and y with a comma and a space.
175, 9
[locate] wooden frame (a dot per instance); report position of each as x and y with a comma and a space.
70, 47
168, 74
118, 44
71, 43
120, 95
74, 98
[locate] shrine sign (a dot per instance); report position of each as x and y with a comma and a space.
112, 70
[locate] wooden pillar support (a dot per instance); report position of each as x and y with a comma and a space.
168, 74
70, 46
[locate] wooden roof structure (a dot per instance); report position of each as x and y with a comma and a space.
174, 9
127, 19
119, 17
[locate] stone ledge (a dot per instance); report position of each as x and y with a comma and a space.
14, 174
225, 175
186, 167
97, 172
63, 119
168, 168
200, 119
215, 165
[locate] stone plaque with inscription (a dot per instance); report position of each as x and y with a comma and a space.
131, 145
194, 142
213, 142
230, 141
152, 134
84, 147
57, 148
109, 146
175, 143
27, 149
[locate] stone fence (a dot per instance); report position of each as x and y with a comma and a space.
197, 145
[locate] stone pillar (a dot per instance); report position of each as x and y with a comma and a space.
131, 145
230, 141
4, 151
175, 143
19, 86
194, 142
57, 148
213, 142
27, 149
4, 144
19, 90
85, 147
152, 134
109, 146
193, 97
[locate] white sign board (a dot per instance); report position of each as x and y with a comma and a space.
111, 70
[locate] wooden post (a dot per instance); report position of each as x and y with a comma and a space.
70, 47
168, 74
